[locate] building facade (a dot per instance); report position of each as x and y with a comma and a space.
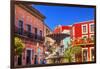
83, 34
30, 28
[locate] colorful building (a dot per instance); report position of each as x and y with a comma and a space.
83, 34
31, 29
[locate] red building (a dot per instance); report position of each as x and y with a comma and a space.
83, 35
30, 27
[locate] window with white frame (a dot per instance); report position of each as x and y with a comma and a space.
84, 37
92, 36
84, 29
91, 28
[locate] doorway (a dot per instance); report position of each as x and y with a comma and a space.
20, 60
28, 57
85, 55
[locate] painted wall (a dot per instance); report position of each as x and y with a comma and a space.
77, 34
27, 18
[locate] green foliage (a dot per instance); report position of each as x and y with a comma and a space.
71, 51
19, 45
76, 49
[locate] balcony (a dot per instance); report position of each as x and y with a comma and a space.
26, 34
82, 42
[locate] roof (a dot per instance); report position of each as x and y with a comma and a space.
83, 22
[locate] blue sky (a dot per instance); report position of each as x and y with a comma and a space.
64, 15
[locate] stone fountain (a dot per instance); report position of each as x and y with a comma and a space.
57, 55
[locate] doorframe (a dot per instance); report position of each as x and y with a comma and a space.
91, 53
21, 59
82, 53
31, 53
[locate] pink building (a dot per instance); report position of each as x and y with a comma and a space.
30, 27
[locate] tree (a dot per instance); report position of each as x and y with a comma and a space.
19, 45
71, 51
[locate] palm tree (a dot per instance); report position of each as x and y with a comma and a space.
19, 45
71, 51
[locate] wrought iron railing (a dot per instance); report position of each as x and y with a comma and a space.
30, 35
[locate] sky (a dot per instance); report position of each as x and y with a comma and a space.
64, 15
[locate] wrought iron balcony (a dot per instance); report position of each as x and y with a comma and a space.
26, 34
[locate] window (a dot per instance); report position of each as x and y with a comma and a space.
92, 54
20, 27
85, 52
36, 30
84, 29
20, 24
28, 27
40, 33
92, 36
91, 27
85, 37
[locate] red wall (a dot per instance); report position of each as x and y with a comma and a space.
78, 29
78, 33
